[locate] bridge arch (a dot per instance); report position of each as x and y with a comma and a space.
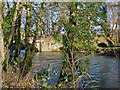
102, 45
101, 42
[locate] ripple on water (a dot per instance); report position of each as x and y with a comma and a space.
104, 69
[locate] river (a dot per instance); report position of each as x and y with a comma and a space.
104, 69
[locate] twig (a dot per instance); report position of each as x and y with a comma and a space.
89, 83
80, 58
68, 59
79, 78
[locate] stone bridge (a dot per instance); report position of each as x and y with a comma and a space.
49, 43
103, 42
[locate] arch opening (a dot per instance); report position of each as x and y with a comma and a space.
102, 45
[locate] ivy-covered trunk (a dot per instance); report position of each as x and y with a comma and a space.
68, 48
27, 60
18, 35
12, 26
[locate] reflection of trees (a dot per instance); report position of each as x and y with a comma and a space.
104, 70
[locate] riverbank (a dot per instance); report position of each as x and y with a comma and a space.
109, 52
102, 67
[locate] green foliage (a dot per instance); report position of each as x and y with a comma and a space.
7, 24
59, 38
79, 37
44, 75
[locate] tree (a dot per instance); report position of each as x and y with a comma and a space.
113, 21
1, 54
79, 37
1, 48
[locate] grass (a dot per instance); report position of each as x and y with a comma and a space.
12, 78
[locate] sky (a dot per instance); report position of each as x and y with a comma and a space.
66, 0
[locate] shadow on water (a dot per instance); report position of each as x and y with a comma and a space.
103, 68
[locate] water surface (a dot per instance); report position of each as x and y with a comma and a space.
104, 69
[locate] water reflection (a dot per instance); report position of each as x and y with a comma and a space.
103, 68
42, 59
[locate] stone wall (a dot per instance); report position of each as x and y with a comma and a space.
48, 43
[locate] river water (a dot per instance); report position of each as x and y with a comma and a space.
104, 69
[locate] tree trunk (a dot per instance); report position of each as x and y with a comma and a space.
12, 26
119, 23
27, 60
72, 21
1, 47
18, 34
1, 50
